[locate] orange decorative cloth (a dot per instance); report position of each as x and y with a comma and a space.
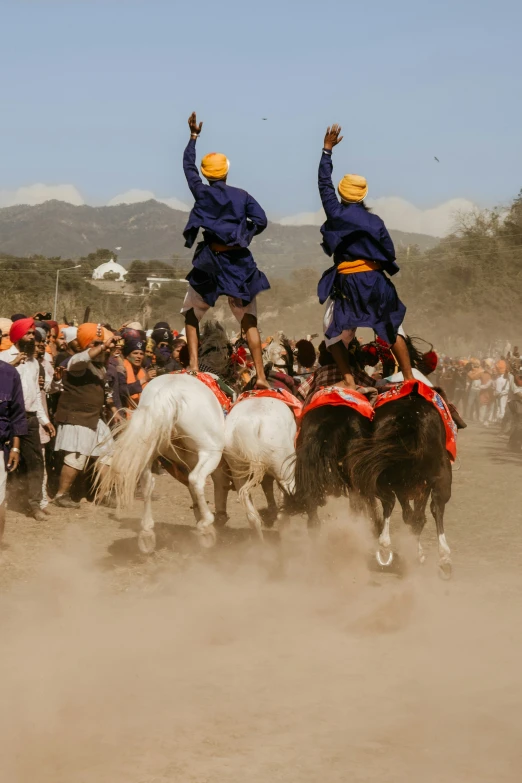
208, 380
276, 394
335, 395
431, 395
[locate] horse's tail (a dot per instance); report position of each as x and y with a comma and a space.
397, 440
320, 448
146, 436
246, 448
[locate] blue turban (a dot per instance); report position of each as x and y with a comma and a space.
133, 344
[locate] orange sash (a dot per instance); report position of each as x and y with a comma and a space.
350, 267
132, 377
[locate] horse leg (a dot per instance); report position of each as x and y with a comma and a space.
419, 518
313, 518
439, 497
147, 536
221, 480
254, 520
207, 463
384, 554
269, 514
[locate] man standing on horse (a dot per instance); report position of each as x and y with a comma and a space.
356, 289
222, 264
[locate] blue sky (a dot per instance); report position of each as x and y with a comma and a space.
97, 94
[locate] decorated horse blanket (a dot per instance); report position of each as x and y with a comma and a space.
431, 395
276, 394
223, 399
336, 395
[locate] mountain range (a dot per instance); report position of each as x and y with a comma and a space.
151, 230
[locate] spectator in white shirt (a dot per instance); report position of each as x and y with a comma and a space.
22, 356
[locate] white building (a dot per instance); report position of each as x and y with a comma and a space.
110, 266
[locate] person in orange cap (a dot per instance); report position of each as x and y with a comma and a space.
356, 290
82, 433
222, 265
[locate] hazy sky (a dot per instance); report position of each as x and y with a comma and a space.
97, 94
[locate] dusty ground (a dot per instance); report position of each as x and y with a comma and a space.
296, 663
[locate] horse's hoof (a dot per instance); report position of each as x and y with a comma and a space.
269, 516
384, 557
445, 571
207, 537
147, 542
422, 558
221, 518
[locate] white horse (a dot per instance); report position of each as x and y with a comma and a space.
259, 447
178, 418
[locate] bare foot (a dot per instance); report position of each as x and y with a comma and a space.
347, 385
262, 383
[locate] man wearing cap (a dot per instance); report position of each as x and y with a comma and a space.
356, 289
22, 356
82, 433
223, 265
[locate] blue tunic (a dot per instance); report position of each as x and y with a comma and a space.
351, 233
228, 216
13, 421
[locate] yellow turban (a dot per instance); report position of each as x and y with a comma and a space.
215, 166
353, 188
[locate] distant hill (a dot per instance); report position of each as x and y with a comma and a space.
151, 230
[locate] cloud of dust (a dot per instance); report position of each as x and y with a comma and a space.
295, 663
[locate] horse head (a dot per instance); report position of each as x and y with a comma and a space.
279, 354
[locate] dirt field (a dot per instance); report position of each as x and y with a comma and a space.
295, 662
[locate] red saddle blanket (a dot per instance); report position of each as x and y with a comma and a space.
431, 395
335, 395
208, 380
275, 394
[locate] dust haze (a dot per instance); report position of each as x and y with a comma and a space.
295, 662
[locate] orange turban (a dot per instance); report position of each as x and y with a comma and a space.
353, 188
215, 166
88, 333
5, 328
501, 366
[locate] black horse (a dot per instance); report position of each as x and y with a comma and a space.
406, 458
323, 448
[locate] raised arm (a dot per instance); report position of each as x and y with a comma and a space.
326, 189
189, 157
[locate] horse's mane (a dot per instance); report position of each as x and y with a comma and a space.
417, 347
215, 350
